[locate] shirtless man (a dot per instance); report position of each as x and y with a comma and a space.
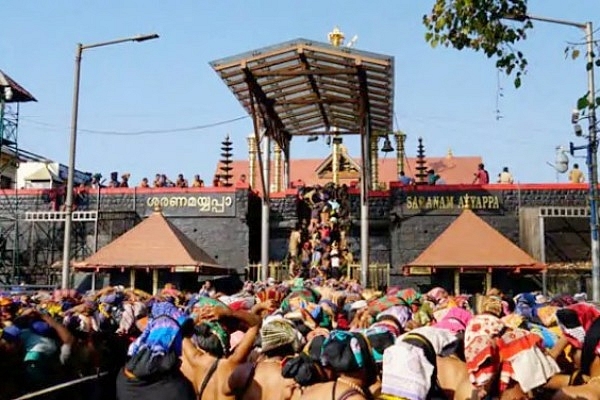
209, 373
354, 375
279, 340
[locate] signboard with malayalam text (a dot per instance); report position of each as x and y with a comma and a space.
193, 204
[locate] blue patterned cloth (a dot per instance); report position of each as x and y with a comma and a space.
342, 351
163, 332
549, 338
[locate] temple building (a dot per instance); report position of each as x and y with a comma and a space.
344, 168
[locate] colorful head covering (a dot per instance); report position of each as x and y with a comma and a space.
344, 351
400, 314
380, 338
276, 334
271, 293
492, 305
10, 333
455, 320
410, 296
212, 337
163, 332
6, 301
437, 294
319, 331
575, 321
525, 305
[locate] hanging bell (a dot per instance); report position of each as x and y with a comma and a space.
387, 146
312, 138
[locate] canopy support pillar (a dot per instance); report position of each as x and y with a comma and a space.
266, 209
542, 236
488, 280
365, 179
154, 282
132, 278
286, 167
457, 282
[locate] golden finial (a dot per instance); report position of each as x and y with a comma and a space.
157, 209
449, 155
336, 37
466, 205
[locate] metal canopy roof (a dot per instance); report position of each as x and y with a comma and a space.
305, 87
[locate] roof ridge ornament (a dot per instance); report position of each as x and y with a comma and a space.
466, 205
336, 37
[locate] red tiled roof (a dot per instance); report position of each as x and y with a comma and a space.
469, 241
453, 170
154, 243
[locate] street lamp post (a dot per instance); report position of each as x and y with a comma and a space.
73, 146
592, 146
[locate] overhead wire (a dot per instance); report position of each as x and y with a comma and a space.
142, 132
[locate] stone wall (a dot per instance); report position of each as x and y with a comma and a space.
215, 219
401, 228
403, 221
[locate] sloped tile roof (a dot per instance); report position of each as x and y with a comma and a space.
20, 94
469, 241
154, 243
454, 170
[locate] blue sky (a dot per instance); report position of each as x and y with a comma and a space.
446, 96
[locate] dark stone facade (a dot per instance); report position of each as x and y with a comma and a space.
400, 231
215, 220
403, 221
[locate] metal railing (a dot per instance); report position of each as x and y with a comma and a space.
277, 270
379, 274
54, 390
26, 289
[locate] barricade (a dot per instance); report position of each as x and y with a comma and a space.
277, 270
379, 274
60, 391
26, 289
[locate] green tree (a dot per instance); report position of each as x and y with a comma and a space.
494, 27
480, 25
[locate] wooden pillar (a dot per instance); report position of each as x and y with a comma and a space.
252, 149
154, 282
132, 278
277, 167
374, 162
488, 280
400, 152
335, 161
457, 282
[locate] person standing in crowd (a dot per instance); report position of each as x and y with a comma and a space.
181, 181
505, 177
432, 177
144, 183
482, 177
576, 175
404, 180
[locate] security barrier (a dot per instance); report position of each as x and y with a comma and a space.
57, 389
26, 289
379, 274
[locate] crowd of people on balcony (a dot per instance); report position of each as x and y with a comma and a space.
480, 177
160, 181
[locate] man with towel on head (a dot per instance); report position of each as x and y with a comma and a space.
279, 339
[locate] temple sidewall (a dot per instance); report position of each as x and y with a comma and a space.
399, 233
